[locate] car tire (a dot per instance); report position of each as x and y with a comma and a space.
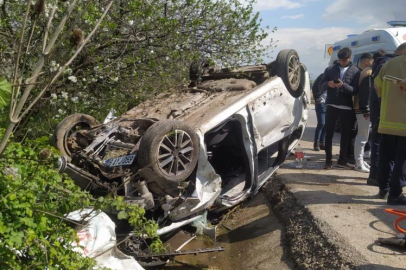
289, 69
168, 143
67, 127
196, 69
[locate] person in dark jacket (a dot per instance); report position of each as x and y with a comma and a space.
384, 159
380, 58
341, 82
320, 100
392, 127
361, 107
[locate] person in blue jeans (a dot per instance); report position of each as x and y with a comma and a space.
320, 100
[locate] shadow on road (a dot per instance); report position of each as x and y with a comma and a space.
324, 179
378, 266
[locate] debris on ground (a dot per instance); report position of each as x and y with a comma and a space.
97, 240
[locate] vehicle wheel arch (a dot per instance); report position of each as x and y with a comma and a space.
63, 129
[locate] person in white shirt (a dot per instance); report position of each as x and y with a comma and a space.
361, 107
341, 82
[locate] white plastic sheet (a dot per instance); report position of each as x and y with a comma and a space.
97, 239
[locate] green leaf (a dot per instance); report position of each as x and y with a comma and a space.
16, 238
29, 212
122, 215
3, 227
5, 92
28, 221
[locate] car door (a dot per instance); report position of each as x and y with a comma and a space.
272, 114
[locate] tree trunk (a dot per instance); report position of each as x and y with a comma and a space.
6, 136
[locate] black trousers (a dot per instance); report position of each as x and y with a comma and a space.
375, 137
392, 164
375, 108
348, 119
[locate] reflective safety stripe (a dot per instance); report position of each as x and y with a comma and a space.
392, 125
384, 103
378, 82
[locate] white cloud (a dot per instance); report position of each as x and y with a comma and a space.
309, 43
293, 17
373, 13
276, 4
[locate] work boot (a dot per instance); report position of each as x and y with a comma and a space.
400, 200
328, 165
316, 146
372, 182
321, 145
383, 194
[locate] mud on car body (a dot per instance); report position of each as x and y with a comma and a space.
212, 144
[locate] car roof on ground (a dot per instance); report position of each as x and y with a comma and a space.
200, 109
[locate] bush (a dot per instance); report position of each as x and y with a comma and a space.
35, 198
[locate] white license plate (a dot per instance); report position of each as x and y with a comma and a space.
120, 161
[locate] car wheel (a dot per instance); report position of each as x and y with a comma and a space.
196, 69
65, 135
289, 69
171, 149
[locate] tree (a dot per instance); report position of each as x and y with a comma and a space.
56, 65
17, 110
34, 197
143, 47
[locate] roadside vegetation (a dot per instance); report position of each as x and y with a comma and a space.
63, 57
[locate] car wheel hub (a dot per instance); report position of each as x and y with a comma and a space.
294, 71
175, 153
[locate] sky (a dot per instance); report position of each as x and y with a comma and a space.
307, 25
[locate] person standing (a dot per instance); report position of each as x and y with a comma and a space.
320, 107
361, 107
374, 104
380, 58
341, 82
392, 127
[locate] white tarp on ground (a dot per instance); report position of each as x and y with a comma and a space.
97, 239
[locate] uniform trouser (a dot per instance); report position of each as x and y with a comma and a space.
347, 118
374, 142
392, 164
374, 106
320, 132
361, 139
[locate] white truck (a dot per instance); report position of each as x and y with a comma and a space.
372, 40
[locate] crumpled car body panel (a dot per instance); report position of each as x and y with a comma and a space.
245, 131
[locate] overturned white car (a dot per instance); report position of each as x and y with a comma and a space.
210, 145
